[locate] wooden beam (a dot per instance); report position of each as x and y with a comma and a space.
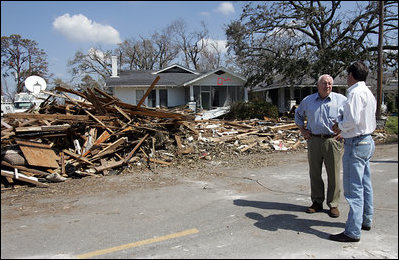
77, 156
95, 118
24, 178
148, 91
127, 158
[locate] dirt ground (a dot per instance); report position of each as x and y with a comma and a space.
24, 199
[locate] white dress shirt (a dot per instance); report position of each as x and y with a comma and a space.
359, 111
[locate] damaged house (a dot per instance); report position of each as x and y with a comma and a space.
178, 86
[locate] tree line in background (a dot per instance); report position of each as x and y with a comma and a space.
292, 39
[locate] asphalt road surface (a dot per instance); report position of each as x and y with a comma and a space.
238, 213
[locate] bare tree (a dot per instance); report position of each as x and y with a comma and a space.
192, 44
22, 58
298, 38
210, 56
96, 62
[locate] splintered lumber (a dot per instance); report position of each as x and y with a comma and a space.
103, 137
90, 114
122, 112
94, 100
23, 177
283, 127
52, 117
46, 128
38, 154
110, 148
105, 94
109, 165
5, 124
77, 156
237, 124
24, 168
127, 158
189, 126
148, 91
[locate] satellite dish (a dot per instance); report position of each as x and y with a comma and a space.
35, 84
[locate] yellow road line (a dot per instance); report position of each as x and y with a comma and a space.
138, 243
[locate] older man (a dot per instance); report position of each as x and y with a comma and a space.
321, 110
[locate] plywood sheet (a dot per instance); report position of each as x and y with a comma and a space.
38, 154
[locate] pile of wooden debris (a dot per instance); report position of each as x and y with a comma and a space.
70, 138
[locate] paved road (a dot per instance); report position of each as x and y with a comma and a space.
255, 213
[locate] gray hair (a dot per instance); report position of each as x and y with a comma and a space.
324, 75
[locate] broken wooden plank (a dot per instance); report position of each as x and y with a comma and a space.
77, 156
122, 112
111, 165
52, 117
90, 114
45, 128
103, 137
22, 177
283, 127
110, 148
38, 154
148, 91
95, 101
24, 168
127, 158
5, 124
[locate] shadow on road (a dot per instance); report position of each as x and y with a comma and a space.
275, 222
270, 205
292, 222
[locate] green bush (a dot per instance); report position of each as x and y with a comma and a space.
391, 125
249, 110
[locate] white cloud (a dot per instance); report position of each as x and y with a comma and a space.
211, 44
225, 8
79, 28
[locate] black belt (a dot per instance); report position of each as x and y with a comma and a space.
324, 136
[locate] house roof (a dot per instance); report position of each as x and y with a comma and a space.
172, 76
146, 77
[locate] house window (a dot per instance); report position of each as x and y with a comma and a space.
152, 98
163, 97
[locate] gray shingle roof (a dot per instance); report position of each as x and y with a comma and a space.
146, 77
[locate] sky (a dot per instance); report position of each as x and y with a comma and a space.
61, 28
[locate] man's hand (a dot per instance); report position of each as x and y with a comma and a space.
336, 129
306, 133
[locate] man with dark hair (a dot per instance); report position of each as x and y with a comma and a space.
356, 127
321, 110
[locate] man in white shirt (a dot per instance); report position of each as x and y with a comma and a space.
356, 127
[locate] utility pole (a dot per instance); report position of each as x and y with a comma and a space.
380, 56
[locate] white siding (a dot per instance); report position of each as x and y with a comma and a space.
175, 97
127, 95
225, 79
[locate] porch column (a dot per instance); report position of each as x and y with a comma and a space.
157, 97
245, 94
281, 103
191, 93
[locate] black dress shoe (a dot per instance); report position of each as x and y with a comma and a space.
341, 237
316, 207
367, 228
